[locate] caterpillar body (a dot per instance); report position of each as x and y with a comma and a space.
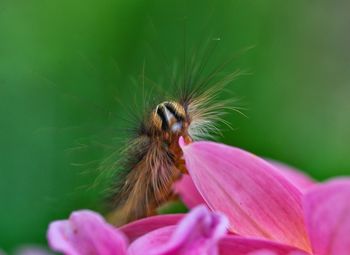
153, 157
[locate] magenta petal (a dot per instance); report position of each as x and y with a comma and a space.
327, 213
263, 252
86, 232
188, 192
197, 233
258, 201
246, 246
138, 228
269, 252
298, 178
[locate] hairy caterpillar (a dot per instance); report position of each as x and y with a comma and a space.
152, 158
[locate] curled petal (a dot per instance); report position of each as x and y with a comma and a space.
327, 213
298, 178
258, 201
86, 232
197, 233
188, 192
138, 228
247, 246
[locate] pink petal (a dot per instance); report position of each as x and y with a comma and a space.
138, 228
191, 197
188, 192
298, 178
327, 213
197, 233
258, 201
86, 232
236, 245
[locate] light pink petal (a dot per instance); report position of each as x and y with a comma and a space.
235, 245
295, 176
138, 228
197, 233
327, 213
32, 250
258, 201
86, 232
188, 192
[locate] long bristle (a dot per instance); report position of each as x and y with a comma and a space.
207, 110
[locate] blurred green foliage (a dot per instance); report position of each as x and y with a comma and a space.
66, 67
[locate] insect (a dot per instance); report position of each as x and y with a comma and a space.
153, 159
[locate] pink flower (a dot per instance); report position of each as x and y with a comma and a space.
200, 232
271, 210
86, 232
265, 202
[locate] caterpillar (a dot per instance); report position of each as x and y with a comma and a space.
152, 157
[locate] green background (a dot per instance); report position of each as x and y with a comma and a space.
68, 67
